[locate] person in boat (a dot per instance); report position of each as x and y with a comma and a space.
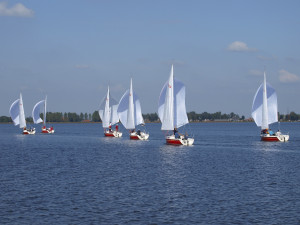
271, 132
109, 128
264, 131
117, 127
176, 133
51, 128
132, 131
138, 132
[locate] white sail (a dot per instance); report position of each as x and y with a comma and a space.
114, 114
171, 105
264, 107
22, 114
129, 109
107, 111
36, 112
14, 112
130, 115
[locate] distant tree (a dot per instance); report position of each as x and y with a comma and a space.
90, 116
29, 119
66, 117
96, 117
294, 116
81, 116
85, 116
5, 119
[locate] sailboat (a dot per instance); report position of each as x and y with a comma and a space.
172, 110
37, 119
264, 112
109, 116
17, 114
130, 113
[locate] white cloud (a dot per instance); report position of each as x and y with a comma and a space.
18, 10
239, 46
287, 77
256, 72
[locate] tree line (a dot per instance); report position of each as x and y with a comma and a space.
149, 117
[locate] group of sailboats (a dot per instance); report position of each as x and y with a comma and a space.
17, 114
171, 112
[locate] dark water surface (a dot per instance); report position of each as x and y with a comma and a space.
77, 176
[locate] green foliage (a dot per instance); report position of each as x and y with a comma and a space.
151, 117
96, 117
5, 119
192, 116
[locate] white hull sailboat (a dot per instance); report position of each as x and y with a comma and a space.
17, 114
37, 119
172, 111
264, 112
109, 116
130, 113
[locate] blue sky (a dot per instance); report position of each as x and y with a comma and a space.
72, 50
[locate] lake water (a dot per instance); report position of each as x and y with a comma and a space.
77, 176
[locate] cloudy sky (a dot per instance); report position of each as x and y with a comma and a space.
72, 50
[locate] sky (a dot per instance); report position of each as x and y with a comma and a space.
73, 50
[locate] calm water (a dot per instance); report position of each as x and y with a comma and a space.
77, 176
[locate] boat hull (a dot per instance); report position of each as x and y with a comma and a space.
112, 134
143, 136
275, 138
171, 140
29, 131
47, 131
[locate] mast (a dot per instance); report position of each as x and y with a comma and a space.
265, 124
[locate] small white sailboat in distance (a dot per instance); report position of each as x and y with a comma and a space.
109, 116
264, 112
172, 111
37, 119
130, 113
17, 115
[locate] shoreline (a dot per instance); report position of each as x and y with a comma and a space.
157, 122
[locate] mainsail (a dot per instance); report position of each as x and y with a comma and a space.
22, 114
129, 109
264, 107
171, 105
